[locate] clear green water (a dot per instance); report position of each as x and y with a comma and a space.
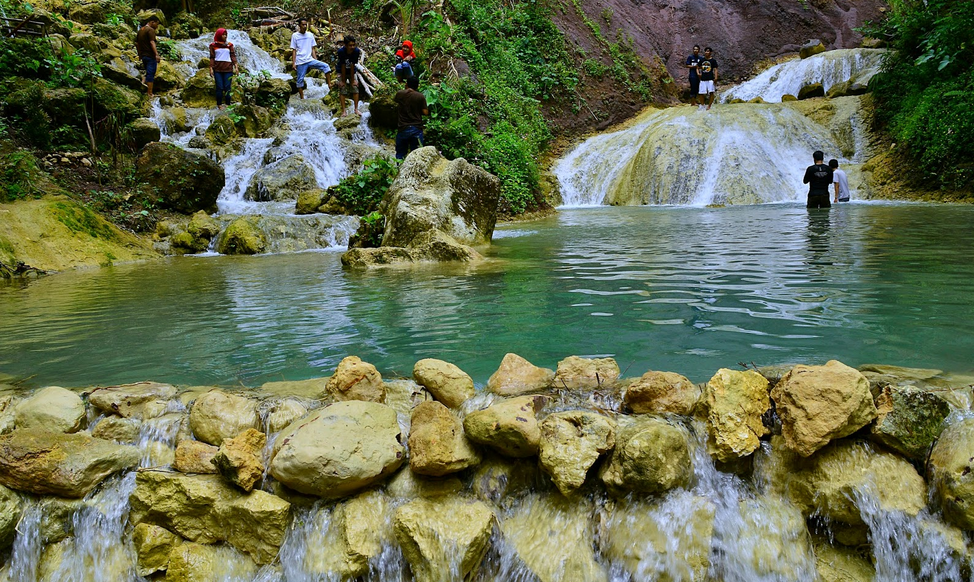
681, 289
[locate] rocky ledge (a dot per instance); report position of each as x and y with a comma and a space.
563, 471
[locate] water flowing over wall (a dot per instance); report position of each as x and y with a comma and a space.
828, 68
747, 153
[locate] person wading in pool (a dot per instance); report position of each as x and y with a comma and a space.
819, 178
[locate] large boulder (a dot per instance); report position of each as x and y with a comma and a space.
139, 400
736, 401
650, 456
10, 510
240, 459
575, 373
811, 90
517, 376
273, 94
384, 111
429, 247
52, 408
445, 381
666, 542
832, 482
198, 91
355, 536
195, 457
437, 444
357, 380
180, 180
205, 509
444, 538
431, 193
552, 538
143, 131
662, 392
284, 179
219, 415
153, 544
118, 429
571, 442
909, 420
191, 562
68, 465
811, 48
510, 427
339, 449
820, 403
951, 473
242, 237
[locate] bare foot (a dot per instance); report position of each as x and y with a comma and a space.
708, 108
357, 112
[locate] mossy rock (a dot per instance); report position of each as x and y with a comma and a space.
114, 99
847, 89
143, 131
119, 70
221, 130
242, 237
255, 119
273, 94
309, 201
811, 48
757, 100
198, 91
87, 12
168, 77
65, 105
186, 25
115, 31
787, 97
21, 101
184, 243
181, 180
87, 41
203, 225
143, 16
811, 90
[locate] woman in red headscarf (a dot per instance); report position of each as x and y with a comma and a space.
404, 60
223, 65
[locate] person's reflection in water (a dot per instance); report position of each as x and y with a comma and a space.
819, 238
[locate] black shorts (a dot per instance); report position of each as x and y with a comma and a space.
694, 86
818, 201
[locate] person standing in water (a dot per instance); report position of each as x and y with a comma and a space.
708, 77
841, 182
304, 56
145, 45
348, 57
223, 66
818, 176
693, 63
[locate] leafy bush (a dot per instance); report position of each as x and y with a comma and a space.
19, 176
925, 92
362, 192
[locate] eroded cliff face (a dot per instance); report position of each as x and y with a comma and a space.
663, 32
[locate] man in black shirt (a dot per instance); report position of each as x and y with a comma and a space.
818, 176
412, 108
693, 62
348, 57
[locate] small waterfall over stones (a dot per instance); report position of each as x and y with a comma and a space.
747, 153
306, 129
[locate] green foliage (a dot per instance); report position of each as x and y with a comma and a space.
168, 50
19, 176
25, 57
371, 229
77, 69
361, 193
925, 92
133, 210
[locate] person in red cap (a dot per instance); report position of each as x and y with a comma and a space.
223, 65
404, 60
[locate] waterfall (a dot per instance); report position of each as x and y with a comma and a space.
828, 68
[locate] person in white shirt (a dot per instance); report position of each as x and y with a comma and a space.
304, 55
840, 181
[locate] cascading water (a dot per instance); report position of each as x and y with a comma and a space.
308, 131
731, 154
829, 68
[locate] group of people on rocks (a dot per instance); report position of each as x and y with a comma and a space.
703, 76
411, 103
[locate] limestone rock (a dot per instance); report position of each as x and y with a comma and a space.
772, 541
445, 538
8, 414
909, 420
406, 485
437, 445
429, 247
811, 90
498, 478
356, 536
357, 380
10, 510
283, 413
198, 90
445, 381
240, 459
312, 389
571, 442
52, 408
552, 537
242, 237
404, 395
195, 457
282, 180
575, 373
668, 542
847, 89
828, 483
67, 465
222, 130
205, 509
384, 112
431, 193
309, 201
950, 470
202, 563
219, 415
510, 426
130, 400
836, 563
820, 403
659, 392
120, 430
339, 449
179, 179
143, 131
650, 456
811, 48
153, 544
517, 376
736, 402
